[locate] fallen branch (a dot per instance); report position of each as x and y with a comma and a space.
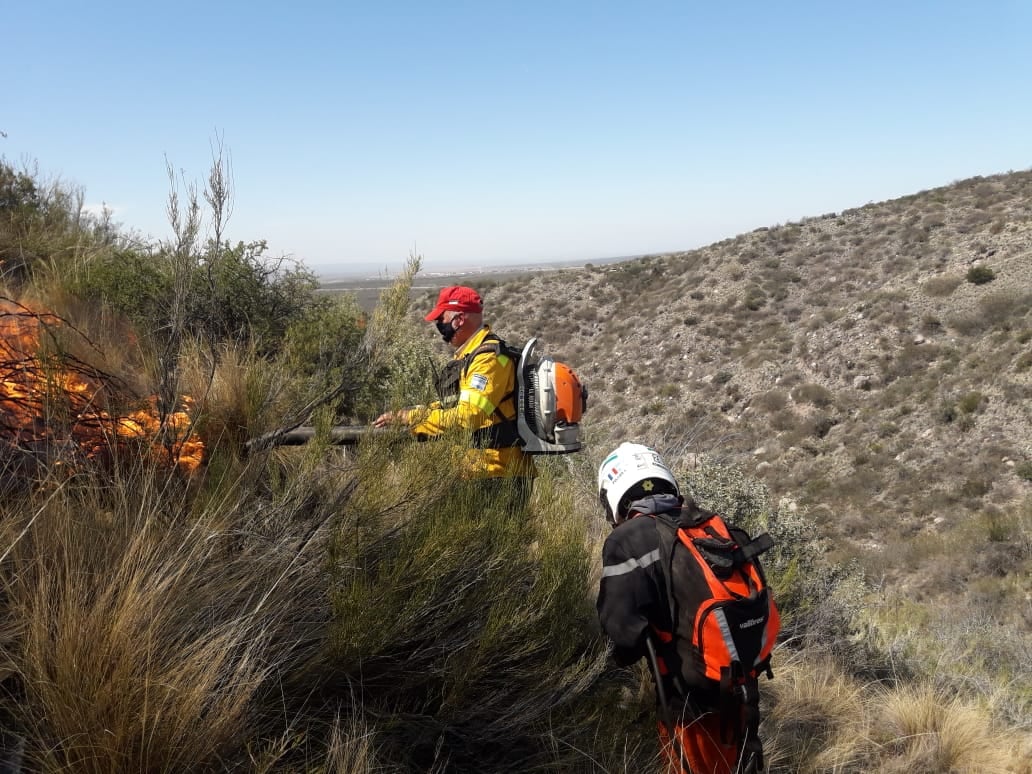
339, 435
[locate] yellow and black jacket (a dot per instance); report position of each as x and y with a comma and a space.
478, 390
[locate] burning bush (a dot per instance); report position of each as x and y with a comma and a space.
56, 409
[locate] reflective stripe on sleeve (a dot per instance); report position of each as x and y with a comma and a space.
631, 564
478, 400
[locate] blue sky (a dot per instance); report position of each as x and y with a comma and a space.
485, 133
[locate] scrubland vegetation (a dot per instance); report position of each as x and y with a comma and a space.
328, 609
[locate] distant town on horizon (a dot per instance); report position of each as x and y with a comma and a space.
369, 270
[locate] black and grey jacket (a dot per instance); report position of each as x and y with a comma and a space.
632, 598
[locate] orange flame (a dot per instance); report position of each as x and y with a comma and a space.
48, 400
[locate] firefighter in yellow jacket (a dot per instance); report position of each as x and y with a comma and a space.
477, 390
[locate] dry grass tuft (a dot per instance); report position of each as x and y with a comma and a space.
926, 731
145, 633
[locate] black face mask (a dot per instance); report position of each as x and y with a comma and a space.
447, 330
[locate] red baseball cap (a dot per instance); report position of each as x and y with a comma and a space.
456, 299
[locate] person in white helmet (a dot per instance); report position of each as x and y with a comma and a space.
635, 483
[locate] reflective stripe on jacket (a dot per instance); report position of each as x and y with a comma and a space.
632, 597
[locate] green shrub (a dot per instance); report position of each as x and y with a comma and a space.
818, 601
134, 283
980, 275
238, 294
324, 351
43, 230
227, 293
970, 402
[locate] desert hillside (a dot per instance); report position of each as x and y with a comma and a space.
873, 366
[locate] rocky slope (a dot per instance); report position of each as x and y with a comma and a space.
873, 365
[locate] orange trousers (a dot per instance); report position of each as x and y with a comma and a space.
699, 742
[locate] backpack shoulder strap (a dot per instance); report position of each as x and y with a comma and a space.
666, 529
491, 343
503, 432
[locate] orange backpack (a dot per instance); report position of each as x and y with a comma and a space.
724, 619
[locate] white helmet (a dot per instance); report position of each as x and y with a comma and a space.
622, 478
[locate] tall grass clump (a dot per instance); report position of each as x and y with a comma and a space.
924, 730
471, 621
144, 634
820, 720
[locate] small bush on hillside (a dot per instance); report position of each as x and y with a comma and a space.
771, 401
968, 324
820, 425
814, 394
931, 324
669, 390
980, 275
652, 408
970, 402
974, 487
909, 360
754, 299
939, 287
1005, 308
